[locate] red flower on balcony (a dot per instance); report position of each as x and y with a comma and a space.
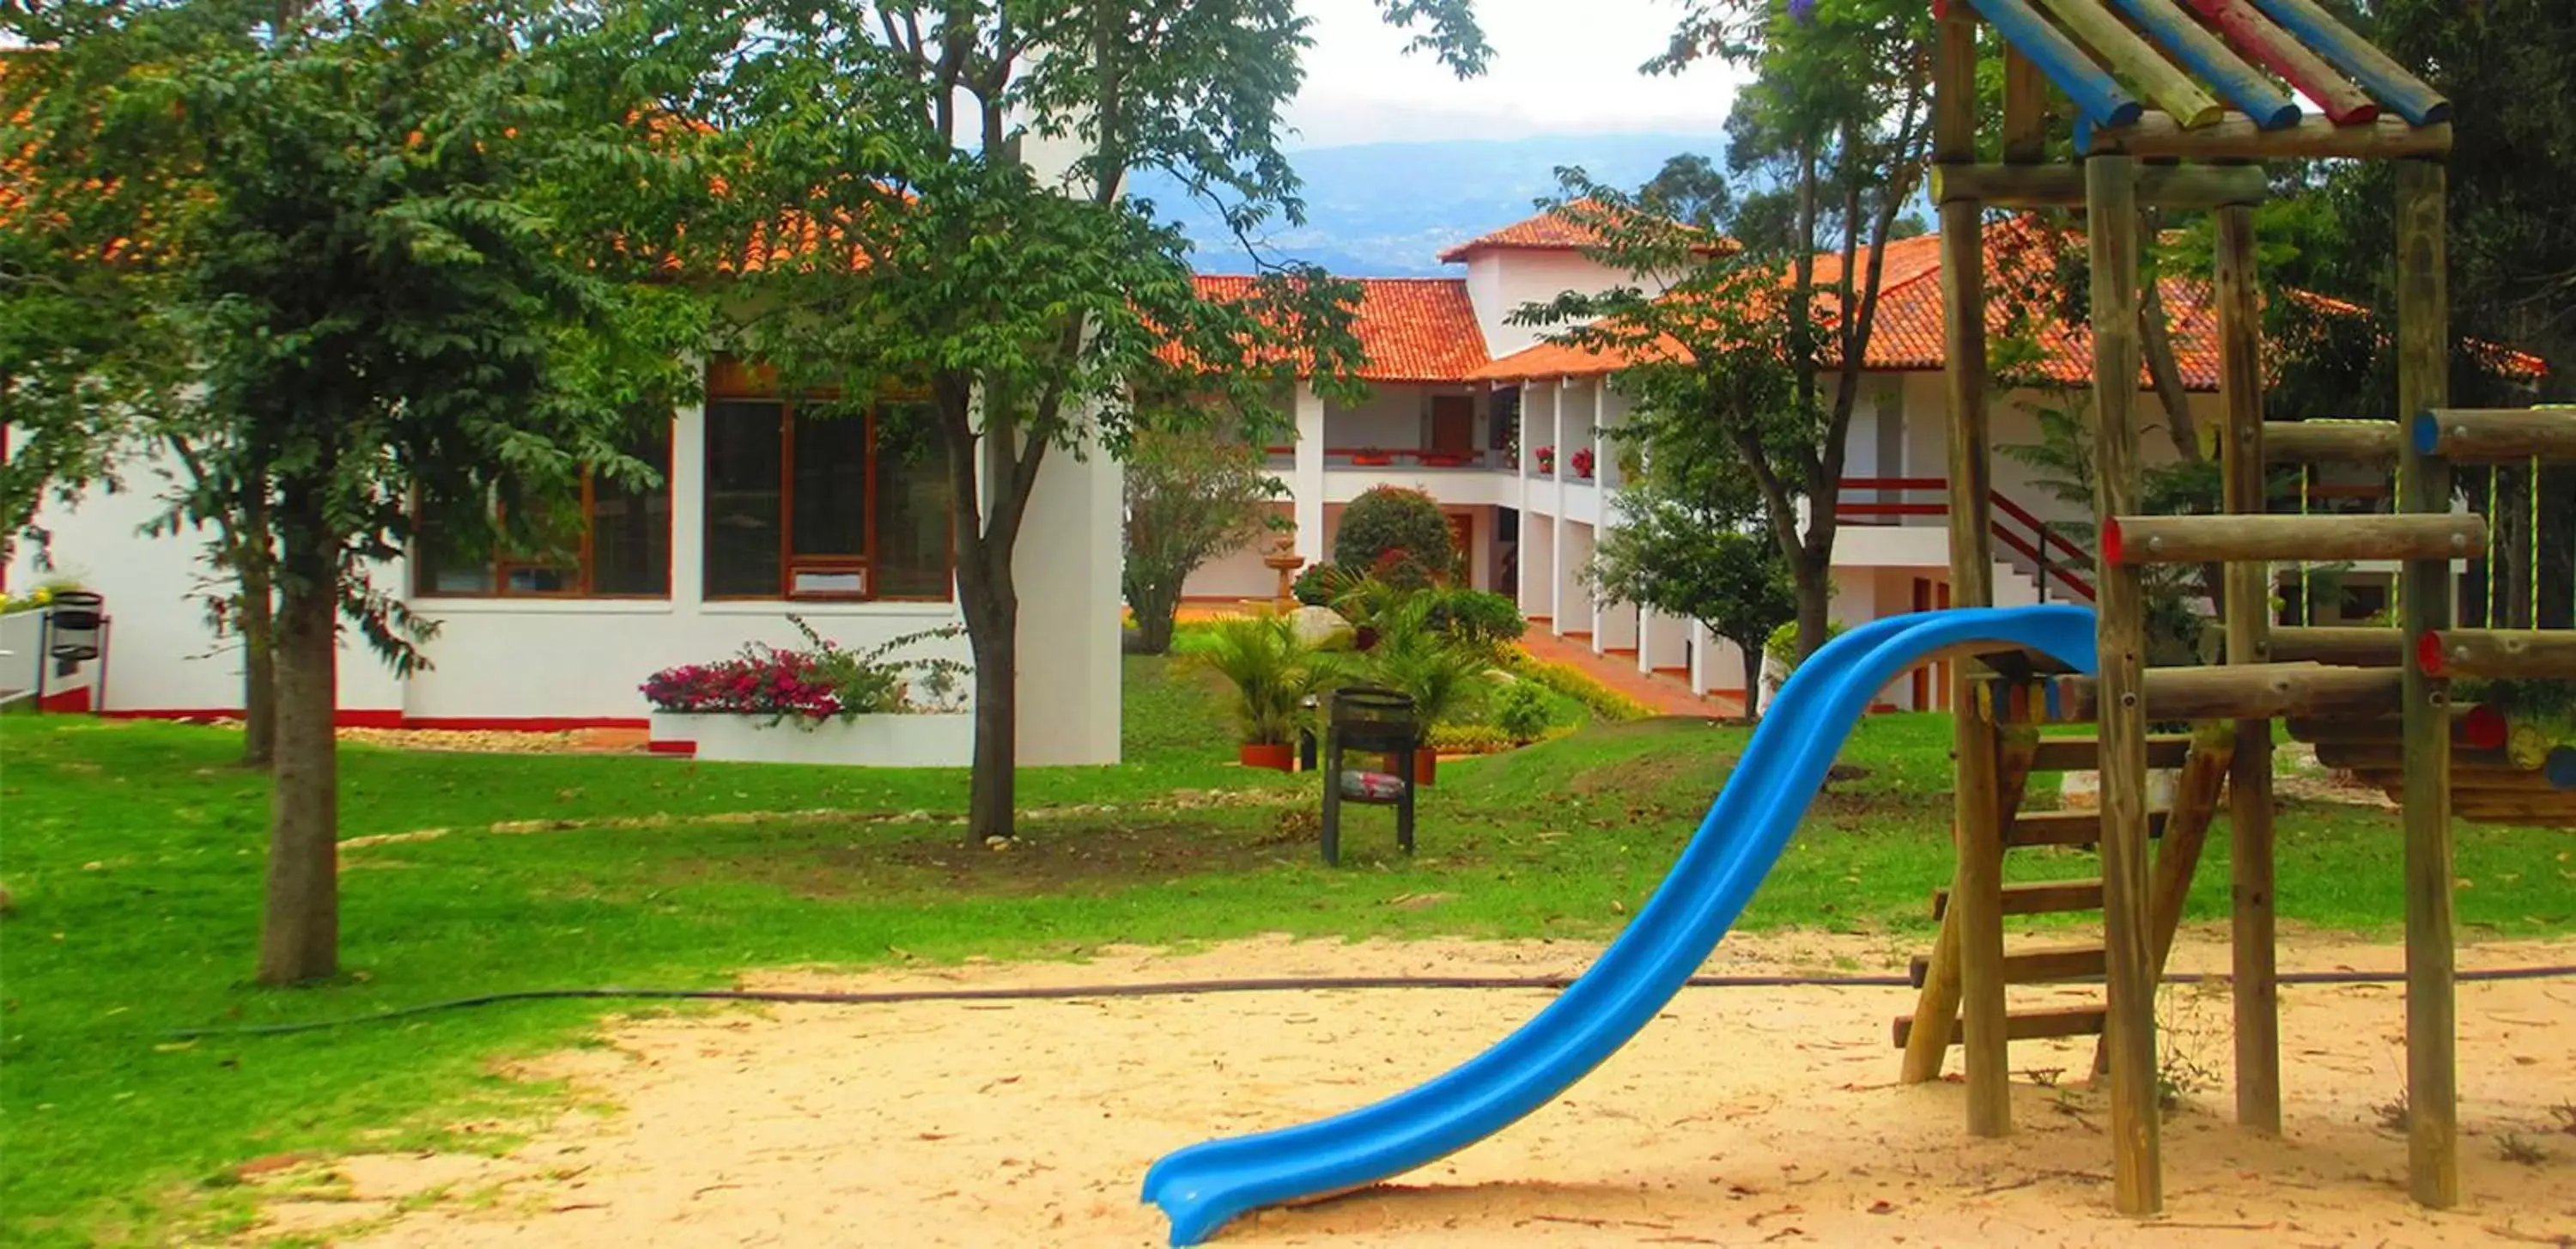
1582, 462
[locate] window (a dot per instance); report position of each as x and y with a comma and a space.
616, 544
816, 506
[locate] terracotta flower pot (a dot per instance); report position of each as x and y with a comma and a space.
1276, 756
1426, 766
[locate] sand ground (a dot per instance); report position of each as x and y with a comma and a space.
1741, 1117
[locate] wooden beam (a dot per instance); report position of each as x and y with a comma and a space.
2036, 965
2475, 726
2037, 897
2196, 794
2330, 442
2233, 692
2350, 646
2546, 654
2141, 540
2236, 137
2473, 436
1939, 998
2062, 186
2133, 58
2206, 55
2120, 639
2359, 59
2097, 95
1954, 87
2424, 607
2390, 756
2344, 103
2084, 754
2034, 1025
2025, 110
2255, 982
2073, 827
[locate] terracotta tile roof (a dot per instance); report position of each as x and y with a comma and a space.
1548, 231
1413, 329
1910, 333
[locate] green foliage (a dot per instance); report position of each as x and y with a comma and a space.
1414, 655
1574, 683
1273, 673
1472, 739
1192, 495
2177, 629
1481, 620
1398, 535
1781, 647
1521, 711
1324, 584
1684, 545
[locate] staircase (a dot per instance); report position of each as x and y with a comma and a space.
2040, 555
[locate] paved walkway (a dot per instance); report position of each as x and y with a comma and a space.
1666, 695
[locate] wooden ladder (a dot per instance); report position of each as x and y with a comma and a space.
2182, 831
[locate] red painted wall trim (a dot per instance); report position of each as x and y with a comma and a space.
684, 750
68, 702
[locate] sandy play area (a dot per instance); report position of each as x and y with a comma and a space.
1742, 1117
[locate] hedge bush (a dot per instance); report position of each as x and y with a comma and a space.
1398, 534
1574, 683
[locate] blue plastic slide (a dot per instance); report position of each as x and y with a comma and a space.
1746, 829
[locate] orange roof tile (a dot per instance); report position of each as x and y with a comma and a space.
1548, 231
1412, 329
1911, 329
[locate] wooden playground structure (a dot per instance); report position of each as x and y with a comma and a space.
2375, 701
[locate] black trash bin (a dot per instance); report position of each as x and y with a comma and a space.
1369, 719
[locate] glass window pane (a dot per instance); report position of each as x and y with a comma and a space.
630, 527
743, 499
911, 505
831, 486
526, 579
447, 566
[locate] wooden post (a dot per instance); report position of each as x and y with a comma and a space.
2249, 605
2025, 109
2423, 382
2112, 221
1976, 897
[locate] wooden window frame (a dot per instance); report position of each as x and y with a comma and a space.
425, 571
731, 382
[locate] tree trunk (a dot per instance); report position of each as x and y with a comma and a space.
1814, 579
256, 612
1155, 610
992, 633
1752, 655
300, 933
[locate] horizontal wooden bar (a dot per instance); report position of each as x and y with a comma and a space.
2037, 897
2135, 540
2084, 754
2373, 756
2062, 186
2547, 654
2491, 436
2032, 1025
2359, 59
2229, 692
2236, 137
2038, 965
2331, 442
2509, 783
2474, 725
2069, 828
2346, 646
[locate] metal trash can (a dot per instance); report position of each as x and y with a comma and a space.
1369, 719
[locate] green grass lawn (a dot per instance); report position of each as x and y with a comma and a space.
134, 851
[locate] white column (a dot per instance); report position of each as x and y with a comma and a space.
1701, 644
688, 509
1306, 484
1557, 604
1614, 628
1066, 573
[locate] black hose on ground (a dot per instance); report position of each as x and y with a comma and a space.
1282, 984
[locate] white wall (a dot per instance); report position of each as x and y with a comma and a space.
1501, 280
1391, 417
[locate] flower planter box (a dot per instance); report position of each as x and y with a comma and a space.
941, 740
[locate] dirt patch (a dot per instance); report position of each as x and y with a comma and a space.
1049, 857
1740, 1117
505, 741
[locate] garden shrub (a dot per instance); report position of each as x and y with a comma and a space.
1479, 618
820, 682
1398, 534
1521, 711
1471, 739
1782, 646
1322, 584
1599, 699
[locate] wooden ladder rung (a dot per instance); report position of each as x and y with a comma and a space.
2036, 965
2069, 828
2024, 1025
2038, 897
2084, 754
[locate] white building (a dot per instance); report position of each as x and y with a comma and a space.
1489, 419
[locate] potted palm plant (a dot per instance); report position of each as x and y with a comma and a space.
1273, 672
1415, 657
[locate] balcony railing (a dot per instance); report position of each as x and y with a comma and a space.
2051, 556
1393, 457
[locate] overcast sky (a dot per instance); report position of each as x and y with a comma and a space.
1559, 67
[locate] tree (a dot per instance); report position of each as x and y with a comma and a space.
1687, 544
1192, 495
377, 307
1689, 189
1839, 118
950, 177
1398, 535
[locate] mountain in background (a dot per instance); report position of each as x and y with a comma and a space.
1390, 209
